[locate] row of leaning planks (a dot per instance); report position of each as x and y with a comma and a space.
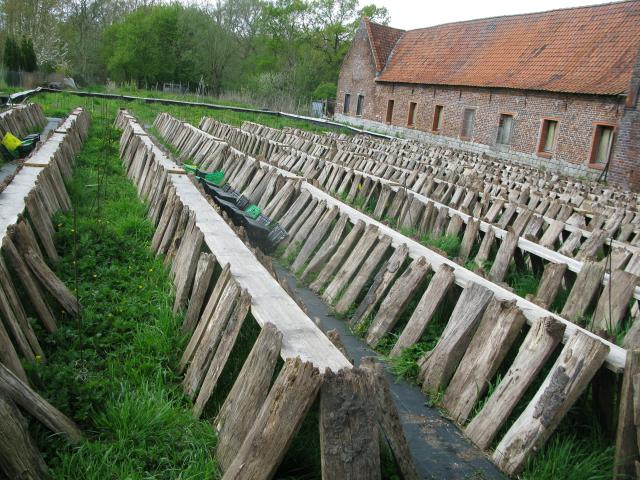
460, 186
359, 265
602, 294
222, 284
22, 120
28, 285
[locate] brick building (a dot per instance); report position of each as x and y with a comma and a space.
557, 89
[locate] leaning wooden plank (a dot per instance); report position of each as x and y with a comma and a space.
550, 284
503, 257
9, 356
383, 279
279, 419
614, 301
349, 446
438, 365
249, 391
397, 300
500, 324
210, 339
187, 269
43, 227
485, 247
626, 435
591, 245
388, 418
52, 283
223, 350
358, 282
422, 315
19, 456
201, 282
327, 249
336, 259
303, 232
28, 282
355, 259
469, 238
25, 397
587, 283
314, 239
580, 359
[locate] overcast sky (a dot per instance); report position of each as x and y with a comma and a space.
408, 14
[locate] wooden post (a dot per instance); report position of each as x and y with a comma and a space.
587, 283
249, 391
438, 365
550, 284
388, 418
503, 257
422, 315
620, 288
202, 280
581, 357
327, 249
279, 419
349, 436
626, 455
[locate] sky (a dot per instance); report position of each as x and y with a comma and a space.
409, 14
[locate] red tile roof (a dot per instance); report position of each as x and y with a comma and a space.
580, 50
382, 40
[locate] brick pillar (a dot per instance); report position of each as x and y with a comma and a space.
624, 170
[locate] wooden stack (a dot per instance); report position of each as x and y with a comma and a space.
221, 283
36, 193
22, 120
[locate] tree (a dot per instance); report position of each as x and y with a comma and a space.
28, 55
12, 54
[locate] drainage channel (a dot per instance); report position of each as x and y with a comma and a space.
438, 448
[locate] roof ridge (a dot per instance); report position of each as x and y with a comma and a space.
542, 12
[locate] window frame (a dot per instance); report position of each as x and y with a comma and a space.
360, 105
473, 125
595, 143
391, 103
411, 116
542, 134
346, 104
513, 120
434, 122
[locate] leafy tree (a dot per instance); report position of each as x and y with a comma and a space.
12, 54
28, 55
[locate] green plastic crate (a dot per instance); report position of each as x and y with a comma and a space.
216, 177
189, 168
253, 211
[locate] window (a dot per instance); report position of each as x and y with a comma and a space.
437, 118
548, 132
505, 126
412, 114
390, 111
347, 101
601, 145
360, 105
468, 122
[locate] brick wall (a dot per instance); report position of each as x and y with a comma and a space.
576, 116
625, 165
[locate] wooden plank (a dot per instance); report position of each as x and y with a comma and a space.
550, 284
336, 259
397, 300
204, 274
357, 283
626, 454
349, 445
249, 391
613, 304
584, 288
222, 352
48, 279
327, 249
438, 365
303, 232
313, 239
19, 456
388, 418
279, 419
581, 357
469, 238
383, 279
24, 396
485, 247
422, 315
500, 324
503, 257
348, 269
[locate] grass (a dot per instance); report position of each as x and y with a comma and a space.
113, 369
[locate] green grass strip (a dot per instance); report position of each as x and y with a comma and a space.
113, 370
